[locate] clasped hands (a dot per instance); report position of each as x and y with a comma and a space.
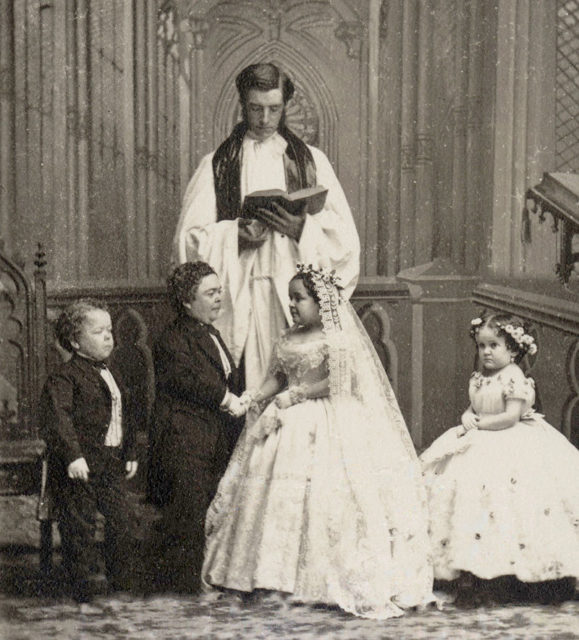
237, 406
469, 422
253, 232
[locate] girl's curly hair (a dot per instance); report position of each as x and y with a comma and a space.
512, 328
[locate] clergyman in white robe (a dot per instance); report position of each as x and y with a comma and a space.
255, 281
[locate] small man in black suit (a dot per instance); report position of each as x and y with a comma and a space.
90, 442
195, 422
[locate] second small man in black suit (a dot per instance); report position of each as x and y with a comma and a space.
90, 435
195, 422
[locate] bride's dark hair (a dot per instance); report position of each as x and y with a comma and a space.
308, 281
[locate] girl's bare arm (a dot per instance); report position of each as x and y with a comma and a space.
505, 420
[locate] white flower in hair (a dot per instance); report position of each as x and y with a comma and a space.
524, 341
475, 322
327, 276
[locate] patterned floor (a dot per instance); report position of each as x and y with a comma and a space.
26, 612
170, 618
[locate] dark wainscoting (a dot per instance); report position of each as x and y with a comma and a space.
418, 323
139, 314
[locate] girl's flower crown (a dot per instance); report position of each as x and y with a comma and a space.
525, 342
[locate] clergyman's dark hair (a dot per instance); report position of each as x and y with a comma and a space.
264, 76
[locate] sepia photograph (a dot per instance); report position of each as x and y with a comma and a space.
289, 319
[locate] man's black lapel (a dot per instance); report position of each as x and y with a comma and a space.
204, 342
90, 373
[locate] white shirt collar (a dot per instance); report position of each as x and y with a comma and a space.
275, 144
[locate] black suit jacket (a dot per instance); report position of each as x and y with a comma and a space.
75, 411
187, 422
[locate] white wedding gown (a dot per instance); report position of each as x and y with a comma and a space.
323, 500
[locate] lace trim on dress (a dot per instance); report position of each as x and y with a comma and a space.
297, 357
269, 423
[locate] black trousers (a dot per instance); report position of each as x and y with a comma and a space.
77, 505
193, 473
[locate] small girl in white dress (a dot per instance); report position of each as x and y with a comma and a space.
323, 498
503, 487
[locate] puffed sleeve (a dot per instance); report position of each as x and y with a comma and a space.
517, 386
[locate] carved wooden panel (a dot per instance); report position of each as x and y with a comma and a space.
16, 352
22, 321
377, 323
103, 152
571, 407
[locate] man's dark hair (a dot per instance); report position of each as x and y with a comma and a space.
70, 321
184, 281
264, 77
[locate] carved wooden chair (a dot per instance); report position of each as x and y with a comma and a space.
23, 358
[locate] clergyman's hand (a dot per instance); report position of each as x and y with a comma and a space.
251, 234
283, 221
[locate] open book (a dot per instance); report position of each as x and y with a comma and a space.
310, 200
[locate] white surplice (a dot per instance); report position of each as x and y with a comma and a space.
255, 281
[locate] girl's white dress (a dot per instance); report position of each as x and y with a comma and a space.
323, 500
504, 502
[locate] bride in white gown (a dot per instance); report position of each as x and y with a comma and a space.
323, 498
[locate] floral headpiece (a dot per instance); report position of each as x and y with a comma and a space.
525, 342
325, 275
326, 285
